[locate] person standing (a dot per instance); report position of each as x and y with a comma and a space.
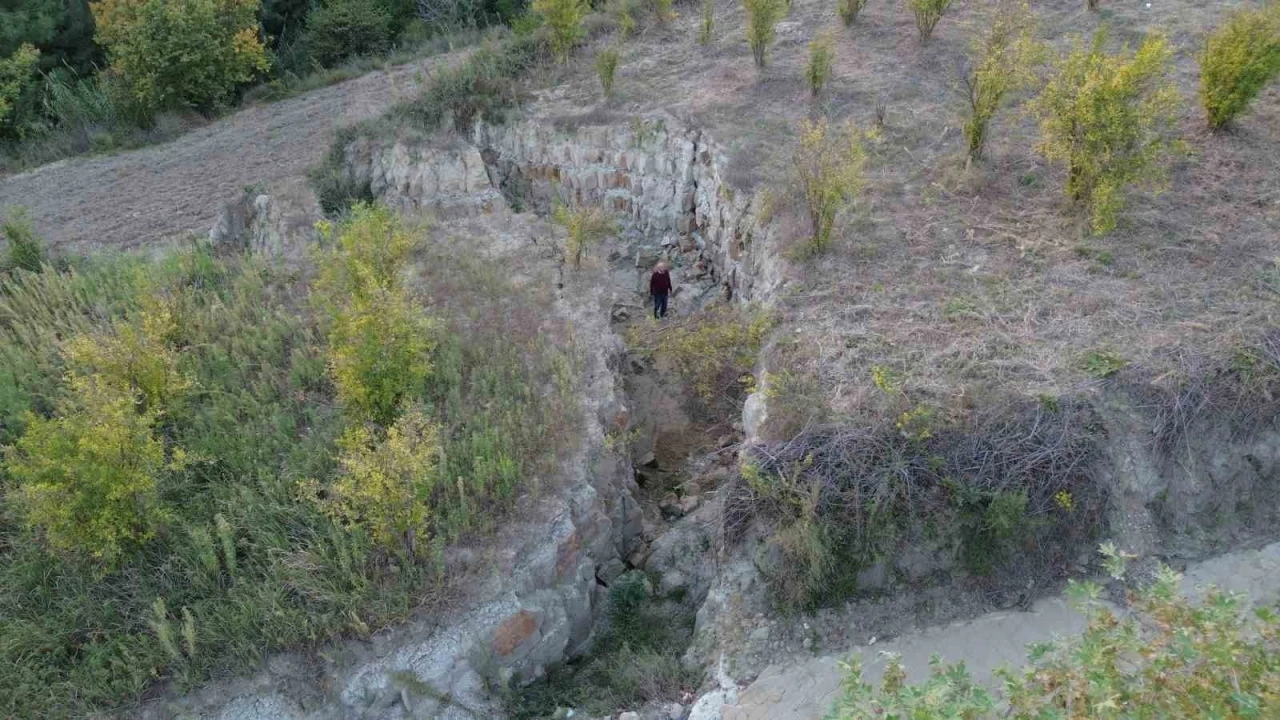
660, 288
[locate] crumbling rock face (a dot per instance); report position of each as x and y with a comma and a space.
446, 177
667, 180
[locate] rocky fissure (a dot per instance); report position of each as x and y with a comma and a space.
666, 183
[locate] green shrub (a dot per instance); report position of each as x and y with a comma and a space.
1238, 61
762, 22
387, 482
25, 249
1167, 657
16, 74
583, 227
1004, 59
818, 69
828, 167
181, 52
380, 338
564, 19
927, 14
606, 65
707, 28
87, 481
1107, 118
340, 29
713, 351
849, 10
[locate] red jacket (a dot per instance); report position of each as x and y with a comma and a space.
660, 283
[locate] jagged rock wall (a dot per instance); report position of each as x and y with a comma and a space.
666, 179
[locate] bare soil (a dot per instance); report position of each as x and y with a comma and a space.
170, 190
958, 279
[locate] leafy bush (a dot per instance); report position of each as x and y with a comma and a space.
762, 21
927, 14
380, 339
1166, 658
25, 249
828, 167
87, 481
1004, 59
134, 358
387, 483
849, 10
584, 227
818, 70
339, 29
16, 73
1238, 61
606, 65
1107, 118
564, 19
181, 52
707, 28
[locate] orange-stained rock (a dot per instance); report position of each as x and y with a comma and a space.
514, 631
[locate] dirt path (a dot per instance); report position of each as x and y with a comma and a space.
157, 192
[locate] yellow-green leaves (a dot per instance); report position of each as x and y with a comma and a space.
1108, 118
584, 227
828, 166
87, 480
15, 72
1238, 61
564, 19
181, 52
818, 70
380, 353
606, 66
387, 482
762, 21
1004, 59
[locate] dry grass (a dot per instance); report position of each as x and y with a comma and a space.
958, 278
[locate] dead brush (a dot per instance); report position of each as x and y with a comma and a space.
839, 497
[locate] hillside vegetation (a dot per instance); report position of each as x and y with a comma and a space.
205, 460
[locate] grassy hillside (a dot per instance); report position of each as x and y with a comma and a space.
221, 395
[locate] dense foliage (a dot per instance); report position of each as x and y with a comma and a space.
185, 488
763, 17
1239, 60
563, 18
1107, 118
339, 29
181, 52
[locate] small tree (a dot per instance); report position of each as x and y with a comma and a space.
1238, 61
88, 480
828, 167
706, 31
1107, 118
849, 10
606, 65
1092, 4
387, 482
928, 13
762, 21
16, 73
181, 52
818, 70
1004, 59
584, 227
564, 19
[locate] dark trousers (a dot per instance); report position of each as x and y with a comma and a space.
659, 305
